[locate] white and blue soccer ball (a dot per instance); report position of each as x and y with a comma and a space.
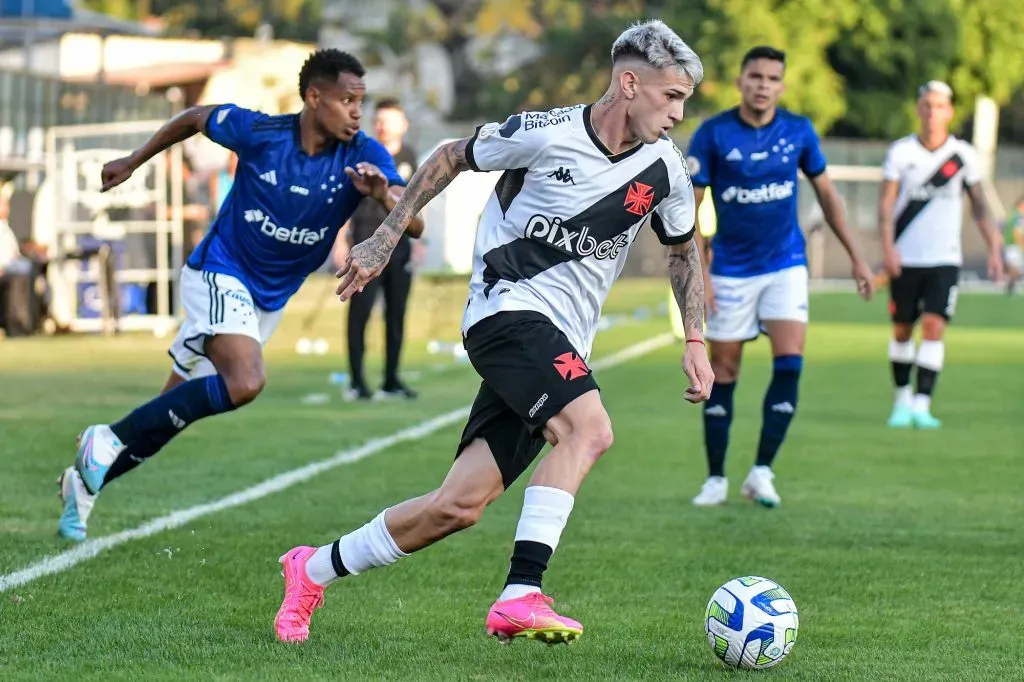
751, 623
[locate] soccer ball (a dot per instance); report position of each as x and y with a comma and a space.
751, 623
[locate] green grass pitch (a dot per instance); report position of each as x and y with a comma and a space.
902, 550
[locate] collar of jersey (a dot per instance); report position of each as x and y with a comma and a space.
766, 126
592, 134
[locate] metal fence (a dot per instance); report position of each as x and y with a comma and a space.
30, 104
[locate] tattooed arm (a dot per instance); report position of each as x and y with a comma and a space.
688, 286
367, 260
687, 277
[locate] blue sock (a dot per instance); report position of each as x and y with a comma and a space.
779, 406
151, 426
717, 419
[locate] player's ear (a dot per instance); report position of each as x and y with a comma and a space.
629, 83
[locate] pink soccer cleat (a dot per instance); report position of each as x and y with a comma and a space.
532, 617
302, 597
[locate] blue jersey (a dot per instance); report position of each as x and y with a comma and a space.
752, 173
280, 219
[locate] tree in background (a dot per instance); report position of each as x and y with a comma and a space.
853, 67
291, 19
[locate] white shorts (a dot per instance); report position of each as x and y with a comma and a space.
1013, 256
215, 304
745, 302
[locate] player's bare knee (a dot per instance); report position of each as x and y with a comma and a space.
600, 439
593, 436
453, 511
727, 370
244, 386
902, 332
932, 327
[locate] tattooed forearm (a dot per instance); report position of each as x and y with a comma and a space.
688, 286
427, 182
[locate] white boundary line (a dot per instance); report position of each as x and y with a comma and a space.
58, 563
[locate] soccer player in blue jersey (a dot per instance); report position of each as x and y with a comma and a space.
299, 179
757, 281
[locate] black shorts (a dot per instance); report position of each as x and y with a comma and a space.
923, 290
530, 372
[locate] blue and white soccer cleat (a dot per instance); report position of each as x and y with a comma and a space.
901, 417
98, 447
77, 505
924, 420
760, 488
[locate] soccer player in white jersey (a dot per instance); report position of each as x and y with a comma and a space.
578, 184
748, 158
920, 220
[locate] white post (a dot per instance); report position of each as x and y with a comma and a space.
986, 133
986, 138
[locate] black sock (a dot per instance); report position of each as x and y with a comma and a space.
336, 562
149, 427
717, 419
926, 379
529, 561
779, 407
901, 373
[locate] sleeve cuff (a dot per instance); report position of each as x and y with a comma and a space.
470, 158
658, 225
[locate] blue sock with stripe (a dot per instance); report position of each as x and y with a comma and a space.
779, 406
151, 426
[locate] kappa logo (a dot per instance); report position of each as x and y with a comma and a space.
578, 243
639, 198
537, 405
563, 175
571, 366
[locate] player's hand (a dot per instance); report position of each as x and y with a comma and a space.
995, 265
368, 180
365, 261
710, 307
115, 172
892, 262
865, 278
697, 368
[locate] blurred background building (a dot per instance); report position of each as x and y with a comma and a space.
82, 81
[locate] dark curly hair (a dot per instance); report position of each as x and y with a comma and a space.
328, 63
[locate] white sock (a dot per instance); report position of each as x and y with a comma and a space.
110, 446
545, 513
362, 549
517, 591
931, 355
320, 568
902, 352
